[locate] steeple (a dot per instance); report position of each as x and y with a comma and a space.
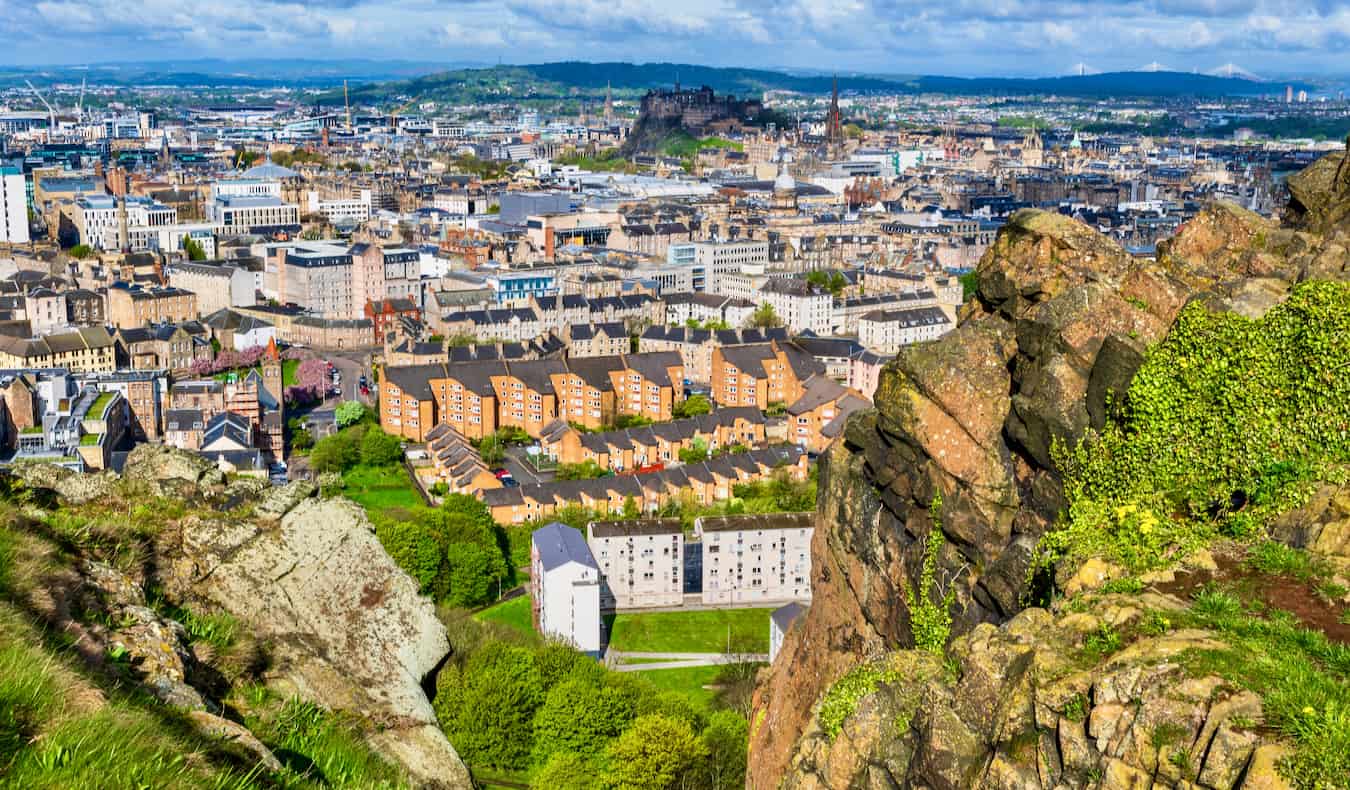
609, 102
835, 129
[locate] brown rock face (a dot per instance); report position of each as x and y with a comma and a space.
1059, 325
1030, 712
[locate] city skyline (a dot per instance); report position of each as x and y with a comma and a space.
964, 38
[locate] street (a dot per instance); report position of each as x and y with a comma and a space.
351, 366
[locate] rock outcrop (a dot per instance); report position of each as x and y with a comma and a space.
1059, 325
342, 626
1026, 706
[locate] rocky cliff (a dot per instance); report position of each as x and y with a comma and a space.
332, 619
1059, 325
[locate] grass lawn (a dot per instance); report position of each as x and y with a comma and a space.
702, 631
689, 682
514, 613
380, 487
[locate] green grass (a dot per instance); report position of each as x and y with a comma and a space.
692, 632
100, 403
689, 681
1303, 680
90, 439
514, 613
380, 487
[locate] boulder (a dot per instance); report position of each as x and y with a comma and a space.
168, 472
345, 626
1319, 195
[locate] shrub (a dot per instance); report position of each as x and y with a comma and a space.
930, 620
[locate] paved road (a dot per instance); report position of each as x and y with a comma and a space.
615, 659
350, 367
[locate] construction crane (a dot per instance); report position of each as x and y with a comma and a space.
347, 102
393, 116
51, 112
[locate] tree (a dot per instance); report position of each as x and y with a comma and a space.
470, 574
491, 450
301, 439
414, 550
765, 317
338, 452
194, 249
379, 448
654, 753
80, 251
724, 740
564, 771
578, 716
349, 413
697, 451
695, 405
492, 723
630, 507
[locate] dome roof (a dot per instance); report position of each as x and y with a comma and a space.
270, 170
784, 182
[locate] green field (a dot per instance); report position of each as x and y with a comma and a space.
514, 613
689, 682
703, 631
378, 487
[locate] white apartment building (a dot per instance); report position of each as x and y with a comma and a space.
887, 331
565, 587
641, 562
97, 219
459, 202
800, 305
718, 258
243, 213
13, 207
357, 209
246, 187
754, 558
846, 312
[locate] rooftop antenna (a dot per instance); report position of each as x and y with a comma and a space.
51, 113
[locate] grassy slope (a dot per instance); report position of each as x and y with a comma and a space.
514, 613
378, 487
63, 725
692, 632
689, 682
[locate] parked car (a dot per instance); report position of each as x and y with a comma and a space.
502, 472
510, 482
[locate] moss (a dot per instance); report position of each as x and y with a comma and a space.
911, 670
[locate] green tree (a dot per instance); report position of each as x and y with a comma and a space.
491, 450
301, 439
194, 249
491, 723
578, 716
379, 448
654, 753
565, 771
338, 452
724, 740
765, 317
471, 573
630, 507
697, 451
415, 550
80, 251
693, 406
970, 283
349, 413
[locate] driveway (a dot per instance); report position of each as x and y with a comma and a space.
615, 660
521, 469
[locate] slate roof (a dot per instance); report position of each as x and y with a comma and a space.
559, 544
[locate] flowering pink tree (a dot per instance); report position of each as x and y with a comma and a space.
311, 378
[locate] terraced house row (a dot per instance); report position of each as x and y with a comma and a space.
650, 445
701, 483
478, 398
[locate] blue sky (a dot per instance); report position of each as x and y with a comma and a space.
966, 37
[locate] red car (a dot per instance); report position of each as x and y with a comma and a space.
500, 473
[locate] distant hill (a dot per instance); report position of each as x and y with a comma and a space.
546, 80
388, 80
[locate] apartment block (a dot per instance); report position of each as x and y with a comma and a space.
761, 374
641, 562
756, 558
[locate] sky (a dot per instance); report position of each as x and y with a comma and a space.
956, 37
